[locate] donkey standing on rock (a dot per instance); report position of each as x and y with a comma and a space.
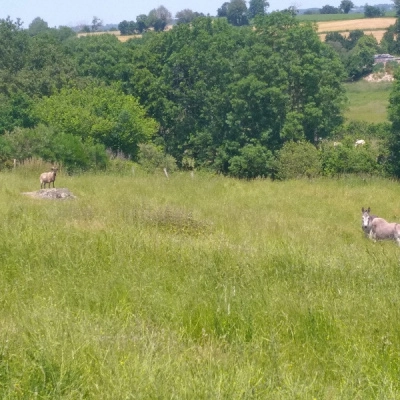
48, 177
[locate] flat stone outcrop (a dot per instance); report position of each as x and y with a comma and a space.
52, 194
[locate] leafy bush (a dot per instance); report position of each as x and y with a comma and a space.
152, 157
379, 67
61, 148
391, 67
348, 159
298, 159
363, 130
373, 12
252, 162
6, 159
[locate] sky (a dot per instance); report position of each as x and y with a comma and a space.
78, 12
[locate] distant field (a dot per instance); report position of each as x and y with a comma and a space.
337, 17
364, 24
368, 101
371, 26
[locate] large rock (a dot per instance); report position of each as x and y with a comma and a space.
55, 194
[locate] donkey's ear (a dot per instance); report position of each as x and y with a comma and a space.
362, 210
369, 209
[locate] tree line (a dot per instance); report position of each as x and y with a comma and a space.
208, 94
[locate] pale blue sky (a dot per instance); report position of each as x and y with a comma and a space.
76, 12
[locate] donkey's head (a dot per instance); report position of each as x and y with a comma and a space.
366, 218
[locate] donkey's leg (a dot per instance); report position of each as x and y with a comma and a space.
372, 235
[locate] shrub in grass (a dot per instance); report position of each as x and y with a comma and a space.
152, 157
296, 160
61, 148
348, 159
391, 67
253, 161
377, 68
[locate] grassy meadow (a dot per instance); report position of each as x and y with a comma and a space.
368, 101
203, 288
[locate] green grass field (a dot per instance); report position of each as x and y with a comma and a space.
368, 101
204, 288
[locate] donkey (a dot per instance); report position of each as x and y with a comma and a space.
378, 228
383, 230
366, 220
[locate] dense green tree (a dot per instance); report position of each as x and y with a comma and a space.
237, 12
337, 37
223, 10
63, 33
361, 58
14, 43
98, 56
102, 114
215, 89
186, 16
355, 51
373, 12
327, 9
257, 7
159, 18
346, 6
353, 38
127, 27
15, 111
390, 42
36, 65
142, 22
38, 25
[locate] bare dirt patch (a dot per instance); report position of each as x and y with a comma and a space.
51, 194
379, 77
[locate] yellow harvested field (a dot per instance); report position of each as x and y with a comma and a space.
378, 34
351, 25
127, 37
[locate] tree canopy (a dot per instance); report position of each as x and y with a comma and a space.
103, 114
209, 93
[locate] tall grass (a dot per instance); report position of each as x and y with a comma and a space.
200, 288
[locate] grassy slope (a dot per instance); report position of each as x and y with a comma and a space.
197, 288
368, 101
